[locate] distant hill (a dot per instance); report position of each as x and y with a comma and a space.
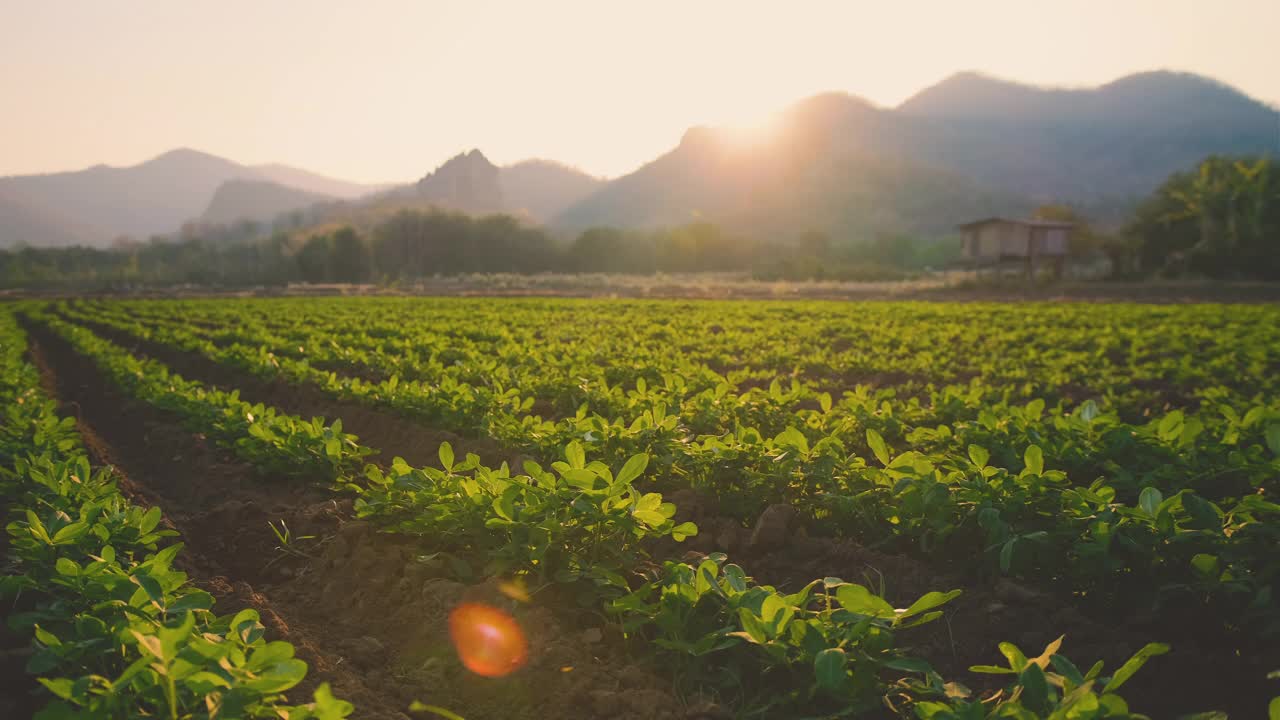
826, 168
22, 223
532, 190
95, 205
542, 189
968, 146
256, 200
536, 190
155, 196
314, 183
467, 182
1118, 140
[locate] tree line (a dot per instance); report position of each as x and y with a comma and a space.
1221, 220
413, 243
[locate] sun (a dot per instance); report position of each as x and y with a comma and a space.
753, 133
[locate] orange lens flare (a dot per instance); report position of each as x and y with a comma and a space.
489, 641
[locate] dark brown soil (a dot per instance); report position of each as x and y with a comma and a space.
19, 699
362, 610
849, 381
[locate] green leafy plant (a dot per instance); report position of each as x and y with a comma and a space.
116, 630
1046, 686
577, 521
830, 641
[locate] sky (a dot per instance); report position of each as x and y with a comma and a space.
386, 90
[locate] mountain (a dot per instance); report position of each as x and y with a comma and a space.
95, 205
315, 183
533, 190
1084, 145
1161, 98
969, 146
22, 223
833, 164
256, 200
467, 182
155, 196
536, 190
542, 189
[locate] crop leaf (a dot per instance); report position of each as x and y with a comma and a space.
633, 468
829, 670
979, 455
1149, 500
1273, 442
857, 599
876, 442
928, 601
684, 530
1034, 459
1133, 665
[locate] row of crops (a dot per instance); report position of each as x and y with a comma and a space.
116, 630
1121, 460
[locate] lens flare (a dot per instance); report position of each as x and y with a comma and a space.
489, 641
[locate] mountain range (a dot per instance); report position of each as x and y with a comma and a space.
968, 146
534, 190
95, 205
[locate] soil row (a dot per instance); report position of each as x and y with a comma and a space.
220, 507
393, 435
364, 613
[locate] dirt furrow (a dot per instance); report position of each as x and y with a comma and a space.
220, 507
364, 609
384, 430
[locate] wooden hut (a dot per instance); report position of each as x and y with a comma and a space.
998, 242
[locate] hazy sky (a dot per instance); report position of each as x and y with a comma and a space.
377, 90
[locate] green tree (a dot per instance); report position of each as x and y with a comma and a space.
349, 259
313, 259
815, 243
1222, 220
606, 249
1085, 241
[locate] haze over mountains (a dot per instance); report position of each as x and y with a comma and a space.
1122, 138
236, 200
969, 146
95, 205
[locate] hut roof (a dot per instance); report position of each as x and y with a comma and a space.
1028, 223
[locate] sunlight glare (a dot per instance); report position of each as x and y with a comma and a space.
488, 640
753, 133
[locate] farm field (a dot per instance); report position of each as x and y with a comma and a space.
690, 509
